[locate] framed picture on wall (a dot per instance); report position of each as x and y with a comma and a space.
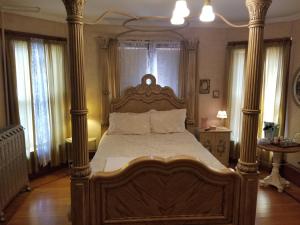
216, 94
204, 87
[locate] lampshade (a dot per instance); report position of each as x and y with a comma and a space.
222, 114
181, 9
207, 13
177, 20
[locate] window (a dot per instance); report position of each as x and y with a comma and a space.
273, 88
137, 58
40, 75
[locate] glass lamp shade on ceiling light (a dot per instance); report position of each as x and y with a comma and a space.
177, 20
207, 13
181, 9
180, 12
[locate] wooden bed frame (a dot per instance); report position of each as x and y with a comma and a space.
146, 96
165, 191
178, 190
95, 199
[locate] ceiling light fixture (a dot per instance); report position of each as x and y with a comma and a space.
177, 20
179, 17
181, 11
207, 13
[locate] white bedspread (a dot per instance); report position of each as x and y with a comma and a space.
115, 151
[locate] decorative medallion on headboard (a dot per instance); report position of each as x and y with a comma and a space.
146, 96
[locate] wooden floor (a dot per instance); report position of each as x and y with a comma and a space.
48, 204
274, 208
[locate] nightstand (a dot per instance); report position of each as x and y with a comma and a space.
217, 142
92, 148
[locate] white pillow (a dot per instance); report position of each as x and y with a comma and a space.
129, 123
172, 121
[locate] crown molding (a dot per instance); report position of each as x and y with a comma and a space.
291, 18
193, 23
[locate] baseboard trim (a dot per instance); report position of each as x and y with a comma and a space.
291, 173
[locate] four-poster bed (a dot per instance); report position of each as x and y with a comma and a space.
85, 194
156, 190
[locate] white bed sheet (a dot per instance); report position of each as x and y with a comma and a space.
115, 151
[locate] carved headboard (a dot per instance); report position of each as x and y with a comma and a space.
146, 96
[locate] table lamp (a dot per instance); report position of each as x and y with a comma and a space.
222, 115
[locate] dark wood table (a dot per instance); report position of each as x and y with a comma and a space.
274, 178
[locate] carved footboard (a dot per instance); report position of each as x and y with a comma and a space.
165, 192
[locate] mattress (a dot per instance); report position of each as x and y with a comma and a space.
115, 151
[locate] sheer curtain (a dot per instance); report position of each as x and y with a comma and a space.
40, 101
236, 86
168, 61
136, 58
58, 102
41, 89
21, 55
133, 63
273, 87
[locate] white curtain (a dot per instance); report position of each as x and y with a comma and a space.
272, 96
168, 61
161, 59
24, 92
41, 74
133, 63
236, 92
152, 59
272, 85
40, 101
59, 107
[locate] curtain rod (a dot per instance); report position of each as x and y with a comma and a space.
16, 8
33, 35
274, 40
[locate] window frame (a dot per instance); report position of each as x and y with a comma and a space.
267, 42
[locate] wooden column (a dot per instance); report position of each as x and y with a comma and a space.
247, 165
81, 167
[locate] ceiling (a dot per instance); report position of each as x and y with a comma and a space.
233, 10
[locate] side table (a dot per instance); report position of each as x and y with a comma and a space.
274, 178
217, 142
92, 148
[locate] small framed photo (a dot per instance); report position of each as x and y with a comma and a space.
216, 94
204, 87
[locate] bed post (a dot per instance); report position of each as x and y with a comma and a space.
247, 165
81, 167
